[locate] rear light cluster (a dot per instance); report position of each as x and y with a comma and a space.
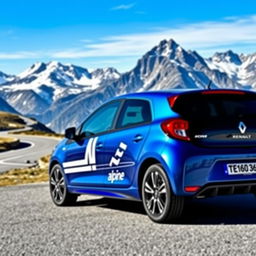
176, 128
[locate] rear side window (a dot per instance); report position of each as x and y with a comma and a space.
216, 106
134, 112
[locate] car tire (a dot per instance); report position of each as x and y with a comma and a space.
58, 188
160, 203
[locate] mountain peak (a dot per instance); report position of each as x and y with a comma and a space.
171, 44
54, 63
166, 48
109, 73
228, 57
35, 68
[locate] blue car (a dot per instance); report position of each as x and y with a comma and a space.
160, 147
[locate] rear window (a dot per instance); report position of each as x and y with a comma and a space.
216, 106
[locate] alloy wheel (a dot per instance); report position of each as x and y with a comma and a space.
57, 185
155, 193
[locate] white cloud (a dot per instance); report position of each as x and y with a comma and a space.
123, 7
236, 33
18, 55
204, 36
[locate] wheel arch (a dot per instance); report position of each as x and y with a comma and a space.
142, 170
52, 163
145, 163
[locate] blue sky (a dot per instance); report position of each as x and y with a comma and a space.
116, 33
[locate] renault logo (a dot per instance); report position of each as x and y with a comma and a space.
242, 127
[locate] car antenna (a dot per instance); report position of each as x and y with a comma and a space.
209, 85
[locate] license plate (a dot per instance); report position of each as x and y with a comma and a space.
241, 168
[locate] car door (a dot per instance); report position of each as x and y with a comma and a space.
85, 156
123, 146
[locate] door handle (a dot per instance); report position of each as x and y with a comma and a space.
99, 146
137, 138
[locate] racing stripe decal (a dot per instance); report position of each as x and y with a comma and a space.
89, 156
98, 167
88, 164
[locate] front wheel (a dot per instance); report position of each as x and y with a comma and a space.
58, 188
160, 204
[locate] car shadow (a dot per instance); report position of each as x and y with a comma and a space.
114, 204
236, 209
229, 210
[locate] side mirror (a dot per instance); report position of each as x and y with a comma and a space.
70, 133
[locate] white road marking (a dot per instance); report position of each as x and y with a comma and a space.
23, 164
6, 158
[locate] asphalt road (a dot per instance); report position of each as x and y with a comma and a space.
31, 224
32, 149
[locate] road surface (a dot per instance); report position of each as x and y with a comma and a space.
34, 147
32, 225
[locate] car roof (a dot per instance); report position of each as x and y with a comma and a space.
152, 94
149, 94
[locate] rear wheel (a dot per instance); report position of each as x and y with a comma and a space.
58, 188
159, 202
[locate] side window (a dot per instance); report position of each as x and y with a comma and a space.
134, 112
101, 120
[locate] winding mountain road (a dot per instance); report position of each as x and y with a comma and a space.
33, 148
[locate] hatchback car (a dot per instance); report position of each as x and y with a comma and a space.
160, 147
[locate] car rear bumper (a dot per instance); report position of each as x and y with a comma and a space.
226, 188
203, 170
189, 166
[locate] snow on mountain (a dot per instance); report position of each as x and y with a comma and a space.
166, 66
27, 102
54, 80
105, 74
240, 68
247, 73
169, 66
5, 78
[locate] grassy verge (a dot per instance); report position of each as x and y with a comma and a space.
26, 175
10, 121
8, 143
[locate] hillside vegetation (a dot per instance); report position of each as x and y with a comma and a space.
10, 121
8, 143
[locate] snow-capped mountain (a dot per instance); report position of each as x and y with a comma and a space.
166, 66
63, 95
240, 68
54, 80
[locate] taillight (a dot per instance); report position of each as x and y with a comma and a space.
176, 128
